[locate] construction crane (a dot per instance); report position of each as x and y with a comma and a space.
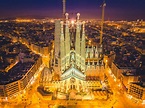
64, 8
102, 22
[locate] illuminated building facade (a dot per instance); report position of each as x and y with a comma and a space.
11, 88
78, 64
137, 90
72, 53
72, 45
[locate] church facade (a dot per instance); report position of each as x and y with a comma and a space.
76, 65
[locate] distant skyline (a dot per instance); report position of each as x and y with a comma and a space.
115, 9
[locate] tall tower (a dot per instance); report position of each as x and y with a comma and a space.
83, 48
65, 44
67, 41
62, 48
77, 42
57, 34
64, 8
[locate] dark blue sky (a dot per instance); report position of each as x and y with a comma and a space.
115, 9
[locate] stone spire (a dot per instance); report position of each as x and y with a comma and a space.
62, 48
67, 40
83, 47
77, 42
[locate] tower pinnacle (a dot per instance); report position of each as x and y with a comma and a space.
66, 15
78, 16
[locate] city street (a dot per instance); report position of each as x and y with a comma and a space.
34, 99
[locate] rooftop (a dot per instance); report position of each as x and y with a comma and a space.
15, 73
141, 84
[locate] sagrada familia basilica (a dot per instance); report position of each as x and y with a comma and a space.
75, 65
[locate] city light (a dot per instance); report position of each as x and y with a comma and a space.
143, 102
51, 58
23, 20
72, 22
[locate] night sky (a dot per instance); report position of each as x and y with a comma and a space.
115, 9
